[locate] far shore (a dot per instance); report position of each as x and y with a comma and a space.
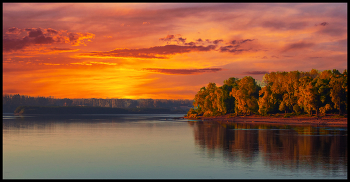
330, 120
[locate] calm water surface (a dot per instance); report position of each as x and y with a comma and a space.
157, 146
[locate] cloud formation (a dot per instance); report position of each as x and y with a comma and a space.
159, 52
235, 46
183, 71
179, 46
14, 30
167, 38
13, 39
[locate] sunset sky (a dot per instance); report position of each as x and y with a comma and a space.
163, 51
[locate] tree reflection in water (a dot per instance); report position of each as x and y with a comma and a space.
288, 146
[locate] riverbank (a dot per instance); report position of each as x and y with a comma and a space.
329, 120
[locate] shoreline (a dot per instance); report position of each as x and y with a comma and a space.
300, 120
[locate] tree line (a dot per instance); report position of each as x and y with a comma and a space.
88, 110
296, 92
11, 102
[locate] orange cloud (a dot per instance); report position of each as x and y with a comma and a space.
77, 39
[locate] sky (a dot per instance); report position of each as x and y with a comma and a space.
163, 50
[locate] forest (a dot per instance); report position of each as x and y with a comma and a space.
295, 92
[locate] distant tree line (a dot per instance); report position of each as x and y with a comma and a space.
294, 92
88, 110
11, 102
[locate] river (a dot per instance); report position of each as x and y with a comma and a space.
161, 146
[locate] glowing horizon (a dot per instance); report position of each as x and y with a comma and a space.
163, 50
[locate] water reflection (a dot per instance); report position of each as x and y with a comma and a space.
276, 146
34, 122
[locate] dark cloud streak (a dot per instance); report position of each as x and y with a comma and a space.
158, 52
284, 25
183, 71
255, 72
299, 45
